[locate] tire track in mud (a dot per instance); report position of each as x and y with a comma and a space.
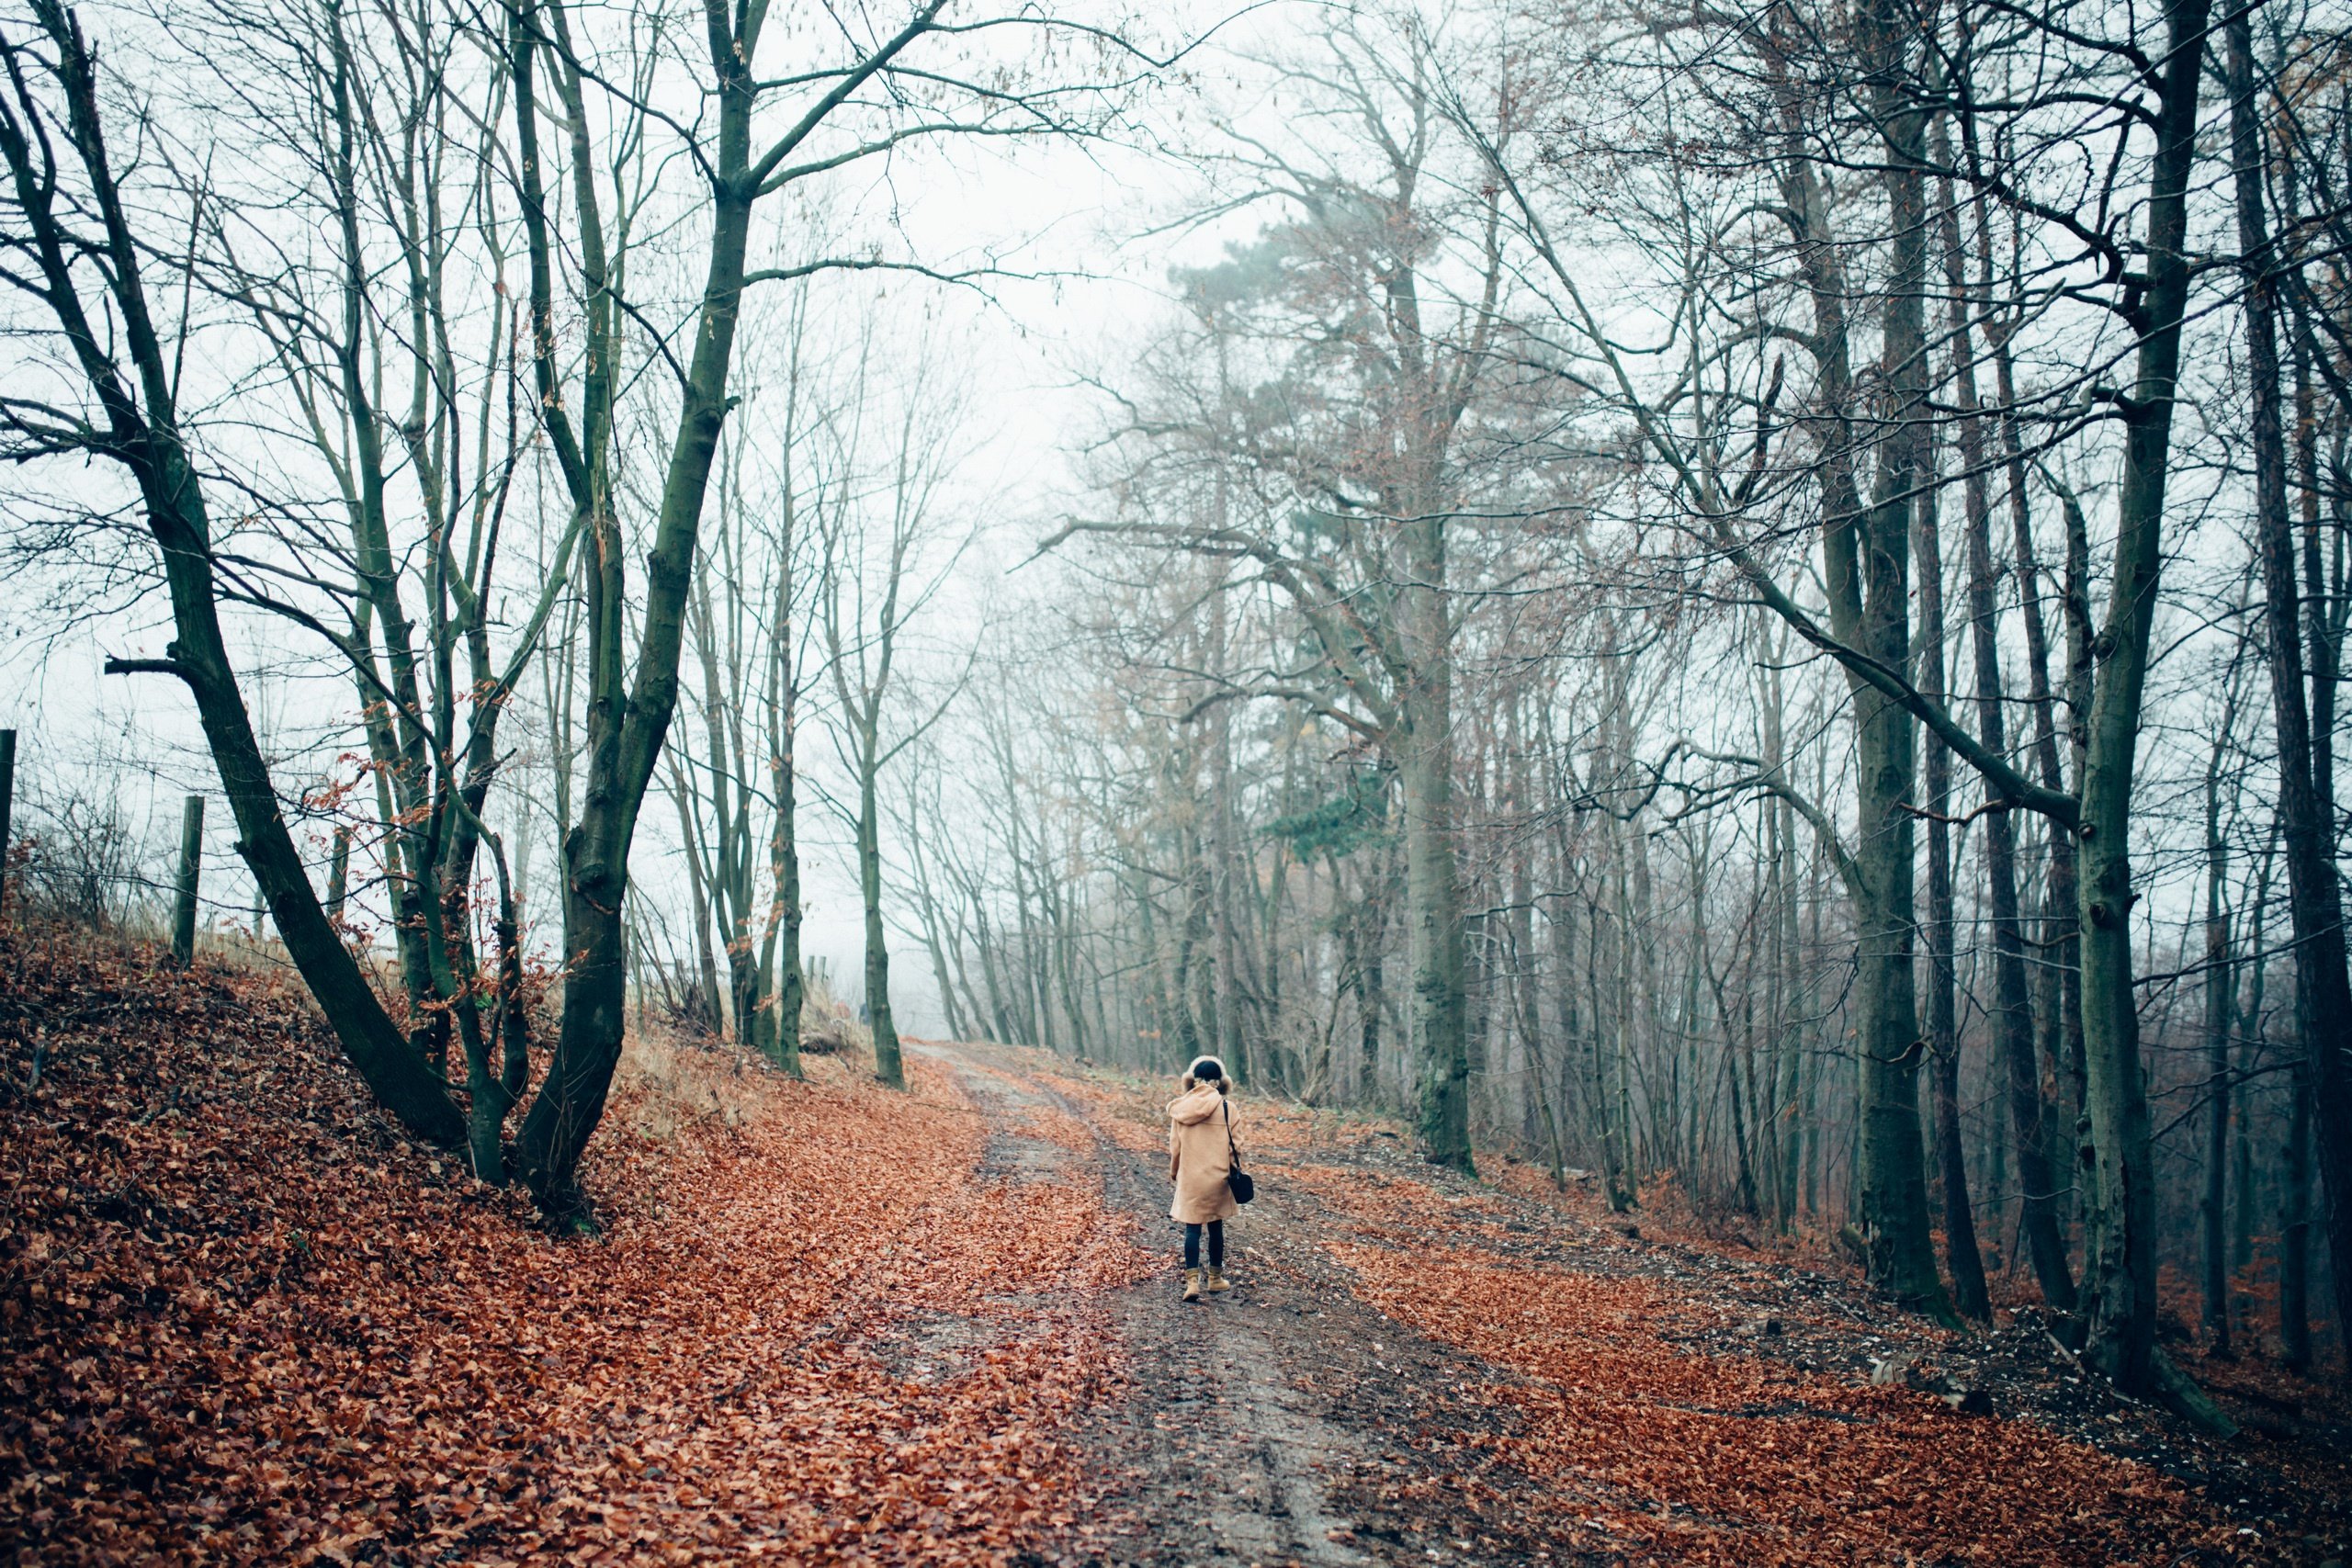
1286, 1422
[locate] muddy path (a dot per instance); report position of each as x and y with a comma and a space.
1286, 1422
1294, 1421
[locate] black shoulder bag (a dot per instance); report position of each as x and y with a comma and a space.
1237, 1180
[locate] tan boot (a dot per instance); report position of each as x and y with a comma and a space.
1192, 1284
1217, 1285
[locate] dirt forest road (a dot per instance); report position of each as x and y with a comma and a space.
1414, 1368
1263, 1427
829, 1322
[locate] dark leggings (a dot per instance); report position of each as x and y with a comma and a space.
1217, 1245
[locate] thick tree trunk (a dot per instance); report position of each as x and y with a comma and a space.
2295, 1221
626, 727
779, 1030
2315, 902
1865, 553
1439, 1006
1960, 1249
2220, 986
1894, 1185
1892, 1199
2031, 1126
2120, 1272
888, 1065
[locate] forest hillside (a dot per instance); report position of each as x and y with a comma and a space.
826, 1321
665, 667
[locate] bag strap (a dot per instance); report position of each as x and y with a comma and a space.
1232, 1155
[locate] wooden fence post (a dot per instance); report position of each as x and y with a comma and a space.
191, 856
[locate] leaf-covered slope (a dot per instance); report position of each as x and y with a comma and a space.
240, 1320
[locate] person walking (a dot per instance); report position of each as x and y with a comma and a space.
1201, 1150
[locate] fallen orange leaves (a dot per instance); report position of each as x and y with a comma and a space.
243, 1321
1744, 1460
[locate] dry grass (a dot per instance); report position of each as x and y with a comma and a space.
666, 1086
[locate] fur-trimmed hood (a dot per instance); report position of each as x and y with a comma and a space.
1194, 1106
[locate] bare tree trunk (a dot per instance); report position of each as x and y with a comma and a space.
1440, 1006
2295, 1220
2119, 1273
777, 1023
888, 1065
339, 874
698, 896
1943, 1035
626, 724
1866, 552
1869, 571
2060, 1012
2030, 1123
2314, 901
1610, 1076
1791, 1018
2221, 992
1560, 914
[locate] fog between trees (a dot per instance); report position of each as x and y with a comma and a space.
1744, 603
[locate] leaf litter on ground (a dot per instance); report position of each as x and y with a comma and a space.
241, 1320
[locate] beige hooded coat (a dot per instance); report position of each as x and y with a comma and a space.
1198, 1156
